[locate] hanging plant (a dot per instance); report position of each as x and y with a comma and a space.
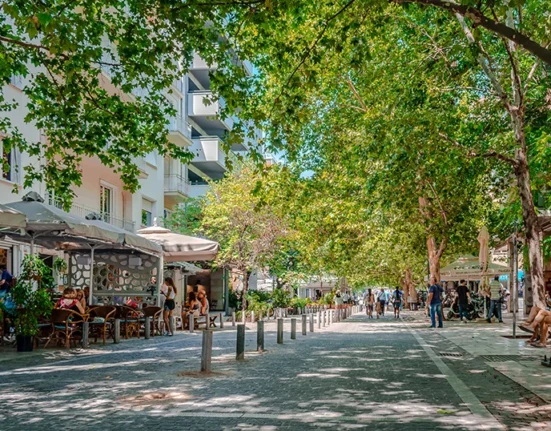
60, 265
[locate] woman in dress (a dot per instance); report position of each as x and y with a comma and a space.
69, 301
169, 291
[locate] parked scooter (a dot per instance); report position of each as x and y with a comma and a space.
475, 309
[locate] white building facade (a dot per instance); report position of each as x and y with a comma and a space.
164, 183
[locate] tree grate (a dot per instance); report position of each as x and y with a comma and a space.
450, 355
504, 358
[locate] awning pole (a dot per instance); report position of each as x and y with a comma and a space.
91, 294
160, 279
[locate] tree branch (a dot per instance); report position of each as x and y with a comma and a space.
488, 155
357, 95
479, 19
318, 38
444, 216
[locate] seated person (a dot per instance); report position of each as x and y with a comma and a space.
132, 303
69, 301
81, 297
194, 307
202, 298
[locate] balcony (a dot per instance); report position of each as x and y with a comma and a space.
141, 165
207, 115
210, 158
176, 189
199, 64
179, 131
82, 211
198, 190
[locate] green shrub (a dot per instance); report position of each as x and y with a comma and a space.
280, 298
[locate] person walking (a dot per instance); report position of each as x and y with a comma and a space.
435, 301
169, 292
495, 299
381, 298
463, 300
397, 301
369, 301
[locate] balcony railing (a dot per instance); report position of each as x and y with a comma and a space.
178, 124
176, 184
82, 211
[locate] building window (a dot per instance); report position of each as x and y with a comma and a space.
7, 165
147, 218
16, 81
106, 203
147, 212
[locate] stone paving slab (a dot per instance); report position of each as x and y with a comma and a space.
357, 374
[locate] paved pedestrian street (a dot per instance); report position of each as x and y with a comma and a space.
358, 374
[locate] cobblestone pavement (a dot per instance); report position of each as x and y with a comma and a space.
359, 374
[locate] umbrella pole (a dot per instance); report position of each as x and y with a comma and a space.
159, 280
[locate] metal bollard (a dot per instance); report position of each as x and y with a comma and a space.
260, 336
206, 351
191, 322
233, 319
304, 324
252, 316
147, 328
293, 328
117, 334
311, 322
319, 319
280, 331
221, 320
324, 318
240, 350
85, 334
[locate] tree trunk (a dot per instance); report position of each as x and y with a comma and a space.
434, 259
434, 253
532, 229
244, 296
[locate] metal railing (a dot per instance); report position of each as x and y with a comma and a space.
82, 211
176, 184
178, 124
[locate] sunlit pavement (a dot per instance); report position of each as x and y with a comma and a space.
359, 374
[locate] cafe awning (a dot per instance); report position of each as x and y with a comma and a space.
178, 247
468, 268
11, 218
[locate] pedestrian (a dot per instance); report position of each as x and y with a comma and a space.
6, 279
435, 301
397, 301
495, 299
369, 300
381, 298
463, 300
339, 301
346, 297
169, 291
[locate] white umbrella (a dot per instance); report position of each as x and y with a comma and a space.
483, 239
11, 218
178, 247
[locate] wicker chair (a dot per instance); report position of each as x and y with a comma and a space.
101, 321
66, 327
130, 320
154, 313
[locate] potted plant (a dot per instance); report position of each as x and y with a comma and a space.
32, 299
